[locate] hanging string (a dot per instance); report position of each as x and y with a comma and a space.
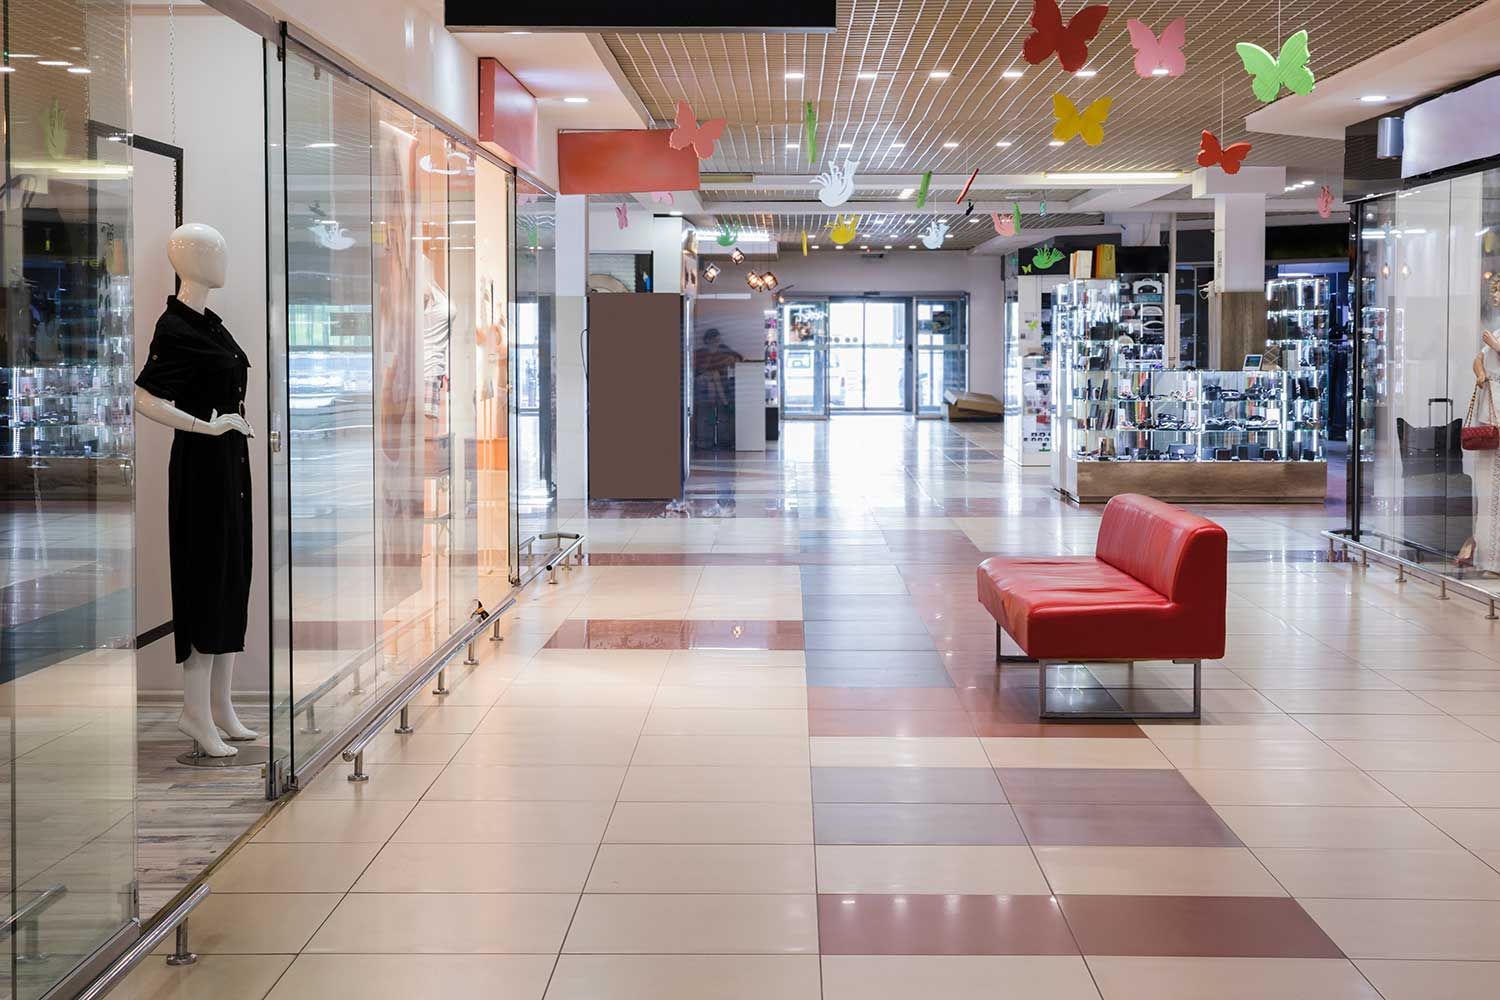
1222, 135
172, 64
1278, 27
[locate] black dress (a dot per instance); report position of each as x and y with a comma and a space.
196, 364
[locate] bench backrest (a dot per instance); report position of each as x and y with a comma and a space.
1177, 554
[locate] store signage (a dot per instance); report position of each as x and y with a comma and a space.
1459, 127
507, 114
622, 161
663, 15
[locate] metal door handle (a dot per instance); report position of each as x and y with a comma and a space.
275, 441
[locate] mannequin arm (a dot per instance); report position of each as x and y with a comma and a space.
1480, 375
163, 412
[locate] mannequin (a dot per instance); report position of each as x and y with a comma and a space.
1483, 550
193, 379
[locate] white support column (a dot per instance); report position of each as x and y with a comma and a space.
666, 254
1237, 308
572, 272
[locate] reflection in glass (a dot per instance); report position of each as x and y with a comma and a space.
942, 351
534, 363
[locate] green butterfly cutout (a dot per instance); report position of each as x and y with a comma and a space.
728, 236
810, 127
1015, 214
922, 189
1045, 257
1270, 73
1025, 268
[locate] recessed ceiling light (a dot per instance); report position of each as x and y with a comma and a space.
888, 246
846, 145
12, 69
518, 32
54, 62
321, 145
792, 145
838, 246
1159, 71
794, 74
1086, 73
675, 211
898, 145
939, 74
814, 246
575, 100
865, 76
1004, 144
950, 145
1012, 74
911, 246
23, 55
864, 246
1055, 142
907, 192
80, 70
1373, 99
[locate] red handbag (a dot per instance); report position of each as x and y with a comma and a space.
1480, 436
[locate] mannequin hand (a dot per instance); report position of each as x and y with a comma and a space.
1480, 375
1491, 339
217, 425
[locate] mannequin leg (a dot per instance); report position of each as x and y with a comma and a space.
222, 700
197, 714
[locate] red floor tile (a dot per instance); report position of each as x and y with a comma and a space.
625, 633
888, 722
942, 925
1125, 824
1196, 926
1032, 785
927, 699
905, 784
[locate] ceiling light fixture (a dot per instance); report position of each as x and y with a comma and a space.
80, 70
793, 145
813, 247
1373, 99
846, 145
23, 55
907, 192
939, 74
911, 246
575, 100
1085, 74
898, 145
1004, 144
1012, 74
1055, 142
710, 272
865, 76
675, 212
794, 74
950, 145
1112, 176
54, 62
321, 145
888, 246
1159, 71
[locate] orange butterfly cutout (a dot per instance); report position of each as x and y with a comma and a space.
1069, 41
1228, 158
689, 133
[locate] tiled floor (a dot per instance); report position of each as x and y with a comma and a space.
769, 754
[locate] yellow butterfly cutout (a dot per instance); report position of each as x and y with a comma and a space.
1089, 123
804, 244
844, 228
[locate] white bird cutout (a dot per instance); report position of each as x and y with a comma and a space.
936, 232
835, 187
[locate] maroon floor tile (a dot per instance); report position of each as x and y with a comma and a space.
915, 823
887, 722
941, 925
929, 699
1039, 785
625, 633
1196, 926
1125, 824
906, 784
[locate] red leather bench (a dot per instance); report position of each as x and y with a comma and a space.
1154, 589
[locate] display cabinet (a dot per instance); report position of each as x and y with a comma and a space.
1028, 374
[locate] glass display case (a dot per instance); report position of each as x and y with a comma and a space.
1299, 316
1028, 374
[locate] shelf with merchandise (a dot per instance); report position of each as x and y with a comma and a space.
67, 411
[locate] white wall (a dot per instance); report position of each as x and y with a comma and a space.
220, 126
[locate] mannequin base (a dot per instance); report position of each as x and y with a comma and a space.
247, 757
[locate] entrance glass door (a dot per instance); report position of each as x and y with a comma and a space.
942, 351
804, 352
867, 352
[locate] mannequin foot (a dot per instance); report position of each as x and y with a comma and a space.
206, 736
236, 732
221, 700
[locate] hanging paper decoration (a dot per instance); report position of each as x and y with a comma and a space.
1041, 207
728, 235
689, 133
1325, 201
965, 192
1046, 256
1087, 124
804, 243
810, 130
664, 197
1227, 158
844, 228
622, 216
1015, 214
1005, 225
922, 189
533, 235
1159, 56
1270, 73
935, 234
969, 211
1069, 41
1025, 268
835, 186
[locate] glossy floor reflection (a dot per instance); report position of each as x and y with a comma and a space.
764, 751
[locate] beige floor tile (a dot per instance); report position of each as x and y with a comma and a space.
1153, 871
1460, 930
388, 783
1353, 702
1231, 726
221, 977
914, 869
694, 924
446, 923
1476, 789
418, 748
1270, 681
717, 784
956, 977
478, 868
572, 719
1476, 829
1417, 980
713, 673
738, 659
496, 782
685, 977
729, 696
1388, 727
1334, 827
600, 749
317, 821
256, 923
897, 751
293, 868
559, 695
717, 868
755, 751
1290, 788
728, 721
1074, 752
446, 718
406, 977
438, 822
1251, 755
710, 823
1132, 978
1412, 755
477, 688
1382, 874
1489, 725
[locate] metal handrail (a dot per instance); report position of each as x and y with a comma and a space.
1342, 536
43, 899
173, 919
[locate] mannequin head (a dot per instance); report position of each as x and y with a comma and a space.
199, 255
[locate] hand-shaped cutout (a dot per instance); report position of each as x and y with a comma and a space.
689, 133
664, 197
1159, 56
728, 235
1087, 124
844, 228
55, 131
935, 234
1005, 225
1070, 41
835, 186
1325, 201
1271, 73
1046, 256
1227, 158
622, 216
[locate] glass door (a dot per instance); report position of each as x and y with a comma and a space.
867, 352
942, 351
804, 352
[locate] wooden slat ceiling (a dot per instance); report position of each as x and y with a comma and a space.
900, 121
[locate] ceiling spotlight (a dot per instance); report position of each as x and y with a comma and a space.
768, 281
575, 100
793, 145
898, 145
813, 247
911, 246
846, 145
950, 145
1373, 99
711, 272
939, 74
1012, 74
754, 281
1085, 74
1004, 144
794, 74
80, 70
737, 255
887, 246
1159, 71
1055, 142
865, 76
864, 246
907, 192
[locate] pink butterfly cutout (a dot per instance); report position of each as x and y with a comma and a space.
1159, 56
1325, 202
622, 216
689, 133
664, 197
1005, 225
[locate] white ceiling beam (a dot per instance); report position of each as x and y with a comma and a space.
952, 182
1119, 199
904, 207
1031, 237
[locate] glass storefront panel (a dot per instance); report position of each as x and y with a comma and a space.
533, 364
67, 664
942, 351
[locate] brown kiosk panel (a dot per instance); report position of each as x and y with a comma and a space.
636, 354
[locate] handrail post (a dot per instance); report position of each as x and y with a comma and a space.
404, 729
311, 726
359, 774
442, 682
471, 660
180, 953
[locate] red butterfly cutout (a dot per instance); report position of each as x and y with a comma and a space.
689, 133
1228, 158
1070, 42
